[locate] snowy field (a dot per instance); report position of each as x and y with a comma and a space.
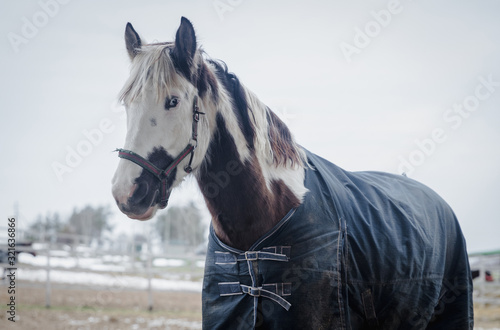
111, 271
90, 291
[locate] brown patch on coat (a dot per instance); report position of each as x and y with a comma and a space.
243, 208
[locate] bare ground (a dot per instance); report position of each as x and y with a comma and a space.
84, 308
87, 308
487, 316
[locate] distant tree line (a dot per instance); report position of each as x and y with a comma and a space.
90, 222
179, 225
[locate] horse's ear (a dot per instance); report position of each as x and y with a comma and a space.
132, 40
185, 45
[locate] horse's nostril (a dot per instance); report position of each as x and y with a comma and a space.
140, 193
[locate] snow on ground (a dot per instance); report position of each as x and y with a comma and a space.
162, 262
116, 282
97, 266
114, 263
56, 260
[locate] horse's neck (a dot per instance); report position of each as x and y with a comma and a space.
243, 203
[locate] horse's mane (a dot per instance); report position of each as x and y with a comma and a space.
241, 109
279, 142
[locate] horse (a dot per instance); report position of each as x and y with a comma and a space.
295, 241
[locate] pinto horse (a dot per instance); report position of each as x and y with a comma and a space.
295, 242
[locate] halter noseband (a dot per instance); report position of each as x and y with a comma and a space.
162, 175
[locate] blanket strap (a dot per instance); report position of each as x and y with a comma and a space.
274, 253
273, 291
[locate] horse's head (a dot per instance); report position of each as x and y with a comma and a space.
161, 98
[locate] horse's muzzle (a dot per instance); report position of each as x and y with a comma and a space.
140, 203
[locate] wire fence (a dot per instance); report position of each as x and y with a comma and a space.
76, 260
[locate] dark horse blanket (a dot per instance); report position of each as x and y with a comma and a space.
365, 250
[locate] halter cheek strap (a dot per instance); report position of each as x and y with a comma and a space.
162, 175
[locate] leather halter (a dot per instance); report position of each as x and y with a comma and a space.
162, 175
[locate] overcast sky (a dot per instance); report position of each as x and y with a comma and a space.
392, 86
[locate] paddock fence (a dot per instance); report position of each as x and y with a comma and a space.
128, 264
112, 265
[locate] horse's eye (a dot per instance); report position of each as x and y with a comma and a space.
171, 102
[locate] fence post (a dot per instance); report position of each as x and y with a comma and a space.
133, 251
150, 252
47, 283
150, 289
76, 242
